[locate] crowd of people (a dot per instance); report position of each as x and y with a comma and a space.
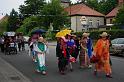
13, 43
68, 49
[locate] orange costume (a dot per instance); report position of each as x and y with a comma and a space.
102, 52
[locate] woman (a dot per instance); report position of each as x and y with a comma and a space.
83, 57
61, 53
101, 51
40, 57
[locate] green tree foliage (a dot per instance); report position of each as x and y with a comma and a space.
54, 13
29, 24
92, 3
13, 21
105, 6
120, 17
31, 7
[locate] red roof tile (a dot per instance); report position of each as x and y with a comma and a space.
82, 9
113, 13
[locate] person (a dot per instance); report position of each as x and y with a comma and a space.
2, 43
40, 56
77, 49
83, 57
101, 51
61, 53
20, 40
89, 50
110, 44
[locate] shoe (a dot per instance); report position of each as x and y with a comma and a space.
108, 76
62, 72
90, 66
71, 70
44, 73
95, 73
37, 71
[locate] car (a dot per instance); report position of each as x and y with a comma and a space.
117, 46
26, 38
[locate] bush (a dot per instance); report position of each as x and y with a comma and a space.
115, 33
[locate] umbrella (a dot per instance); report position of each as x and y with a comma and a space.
38, 31
63, 33
67, 31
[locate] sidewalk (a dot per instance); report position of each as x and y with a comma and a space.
9, 74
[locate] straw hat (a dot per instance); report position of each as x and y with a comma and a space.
73, 35
104, 34
63, 38
85, 34
40, 39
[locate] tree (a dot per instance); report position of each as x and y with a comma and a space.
120, 17
31, 7
105, 6
13, 21
28, 24
54, 13
92, 3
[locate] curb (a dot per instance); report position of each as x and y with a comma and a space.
11, 74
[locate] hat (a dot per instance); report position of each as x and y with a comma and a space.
73, 35
64, 39
104, 34
85, 34
40, 39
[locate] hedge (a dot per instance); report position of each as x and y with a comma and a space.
114, 34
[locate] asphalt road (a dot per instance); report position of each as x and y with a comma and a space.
22, 62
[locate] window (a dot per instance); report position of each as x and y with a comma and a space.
111, 21
98, 23
90, 23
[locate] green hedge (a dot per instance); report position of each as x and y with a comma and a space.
95, 34
114, 34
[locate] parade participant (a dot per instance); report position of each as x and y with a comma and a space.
32, 43
83, 57
61, 53
89, 50
71, 49
2, 43
77, 46
101, 51
40, 56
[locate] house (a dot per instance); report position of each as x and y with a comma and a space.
84, 17
110, 16
3, 20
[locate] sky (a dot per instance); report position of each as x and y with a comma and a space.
7, 5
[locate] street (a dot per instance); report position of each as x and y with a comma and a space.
23, 62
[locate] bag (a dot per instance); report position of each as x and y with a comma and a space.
94, 59
72, 59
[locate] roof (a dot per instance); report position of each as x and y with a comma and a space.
113, 13
65, 1
82, 9
3, 18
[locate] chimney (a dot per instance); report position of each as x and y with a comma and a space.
120, 2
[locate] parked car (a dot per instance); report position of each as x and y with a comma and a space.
117, 46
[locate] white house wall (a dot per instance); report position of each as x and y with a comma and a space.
73, 23
77, 26
108, 20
